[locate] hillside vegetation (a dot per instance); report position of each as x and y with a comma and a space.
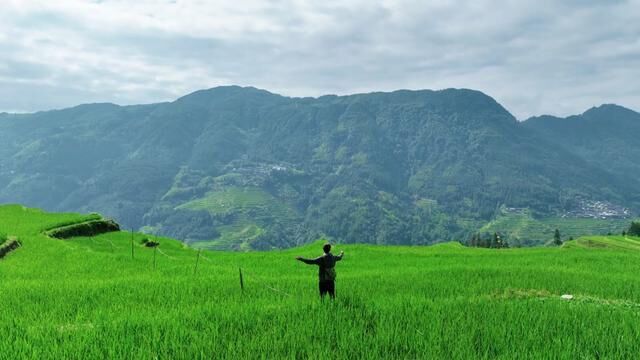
606, 135
86, 297
242, 168
606, 242
523, 229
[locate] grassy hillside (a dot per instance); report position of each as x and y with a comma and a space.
87, 298
605, 242
523, 229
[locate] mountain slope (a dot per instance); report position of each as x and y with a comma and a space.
606, 136
243, 168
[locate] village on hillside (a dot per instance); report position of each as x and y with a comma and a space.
598, 210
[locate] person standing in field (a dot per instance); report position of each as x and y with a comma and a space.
326, 270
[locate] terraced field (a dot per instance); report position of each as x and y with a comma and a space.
523, 229
606, 242
249, 208
110, 296
236, 235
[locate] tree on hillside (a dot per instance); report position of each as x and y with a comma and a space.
516, 242
486, 240
498, 242
634, 229
473, 242
501, 241
557, 240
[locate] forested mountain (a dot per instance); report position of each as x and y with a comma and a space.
606, 136
234, 167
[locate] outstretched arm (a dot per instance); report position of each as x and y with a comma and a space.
308, 261
339, 257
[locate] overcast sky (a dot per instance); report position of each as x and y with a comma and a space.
534, 57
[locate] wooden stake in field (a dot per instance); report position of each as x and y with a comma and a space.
241, 281
197, 260
111, 243
155, 250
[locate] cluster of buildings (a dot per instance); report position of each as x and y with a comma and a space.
594, 209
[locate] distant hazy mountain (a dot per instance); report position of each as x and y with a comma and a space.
235, 167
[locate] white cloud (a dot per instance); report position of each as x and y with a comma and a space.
558, 57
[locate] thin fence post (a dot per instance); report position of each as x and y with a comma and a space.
241, 281
197, 260
131, 243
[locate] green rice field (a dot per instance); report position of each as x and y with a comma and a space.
92, 298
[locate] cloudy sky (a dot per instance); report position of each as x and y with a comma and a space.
535, 57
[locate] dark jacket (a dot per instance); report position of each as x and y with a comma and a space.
326, 264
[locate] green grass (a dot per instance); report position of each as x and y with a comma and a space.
18, 219
87, 298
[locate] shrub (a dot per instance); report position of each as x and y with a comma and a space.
87, 228
634, 229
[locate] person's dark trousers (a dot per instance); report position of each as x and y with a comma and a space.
327, 287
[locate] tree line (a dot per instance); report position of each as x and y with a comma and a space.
487, 240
